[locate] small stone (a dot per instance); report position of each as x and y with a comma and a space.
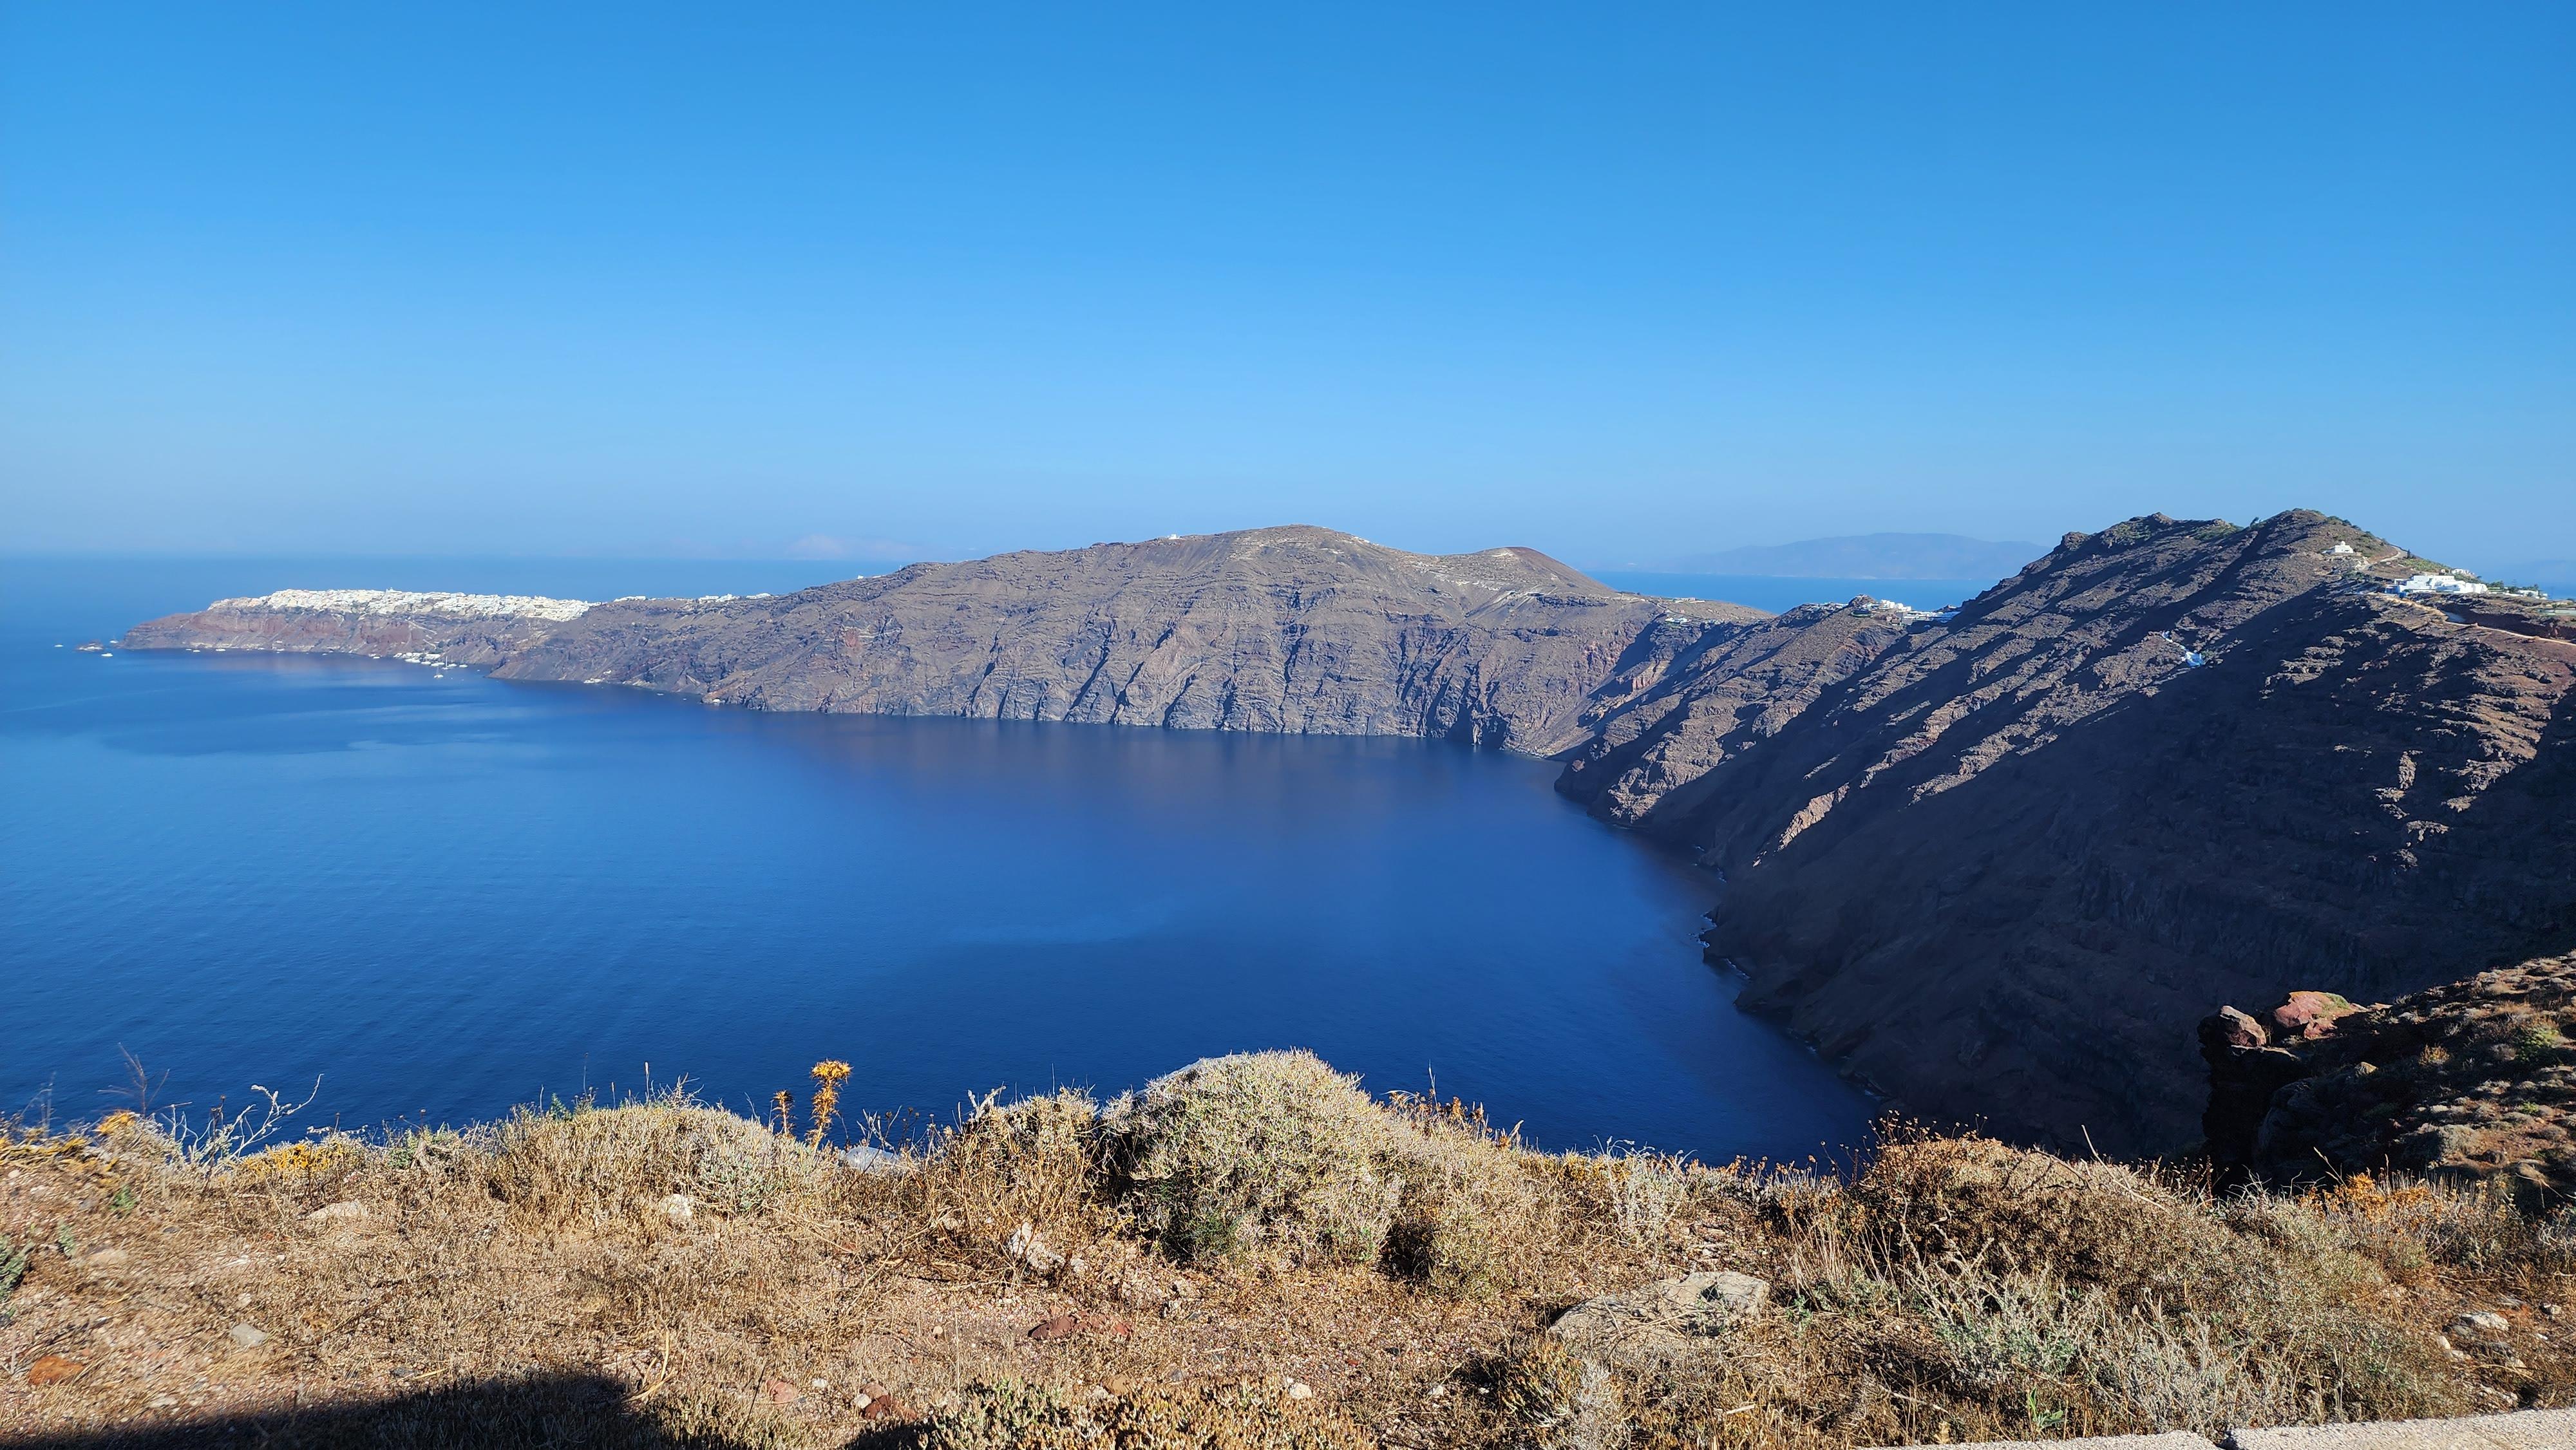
677, 1208
1297, 1390
863, 1399
246, 1336
779, 1392
106, 1258
2485, 1323
873, 1390
347, 1208
52, 1369
1026, 1247
821, 1384
887, 1407
1723, 1297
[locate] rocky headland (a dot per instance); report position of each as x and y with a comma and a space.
1996, 863
1287, 630
2473, 1080
1999, 865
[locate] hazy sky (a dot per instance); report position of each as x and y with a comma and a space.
1619, 282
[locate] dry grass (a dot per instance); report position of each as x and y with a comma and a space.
1251, 1252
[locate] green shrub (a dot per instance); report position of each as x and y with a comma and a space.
1270, 1150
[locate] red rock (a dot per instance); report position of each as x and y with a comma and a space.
1062, 1326
779, 1392
887, 1407
1103, 1324
52, 1369
2310, 1015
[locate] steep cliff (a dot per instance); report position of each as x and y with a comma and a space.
2471, 1079
1996, 864
1998, 867
1297, 630
476, 630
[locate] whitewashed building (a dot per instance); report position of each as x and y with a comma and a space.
2436, 584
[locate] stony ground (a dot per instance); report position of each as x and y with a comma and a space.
2471, 1079
1257, 1256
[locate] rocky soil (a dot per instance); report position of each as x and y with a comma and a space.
1251, 1254
2473, 1079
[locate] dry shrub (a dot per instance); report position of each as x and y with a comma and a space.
2030, 1294
302, 1174
1010, 1415
1469, 1219
608, 1165
1267, 1151
1560, 1397
2410, 1225
2091, 1223
1036, 1162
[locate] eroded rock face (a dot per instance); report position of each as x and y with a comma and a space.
1996, 866
473, 630
1295, 630
1999, 867
2472, 1079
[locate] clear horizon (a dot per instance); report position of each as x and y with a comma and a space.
647, 282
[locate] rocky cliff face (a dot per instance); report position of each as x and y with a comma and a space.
476, 630
1297, 630
2472, 1079
1999, 866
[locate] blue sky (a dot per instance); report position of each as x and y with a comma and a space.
1623, 283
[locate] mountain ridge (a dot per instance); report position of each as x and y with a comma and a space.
1996, 864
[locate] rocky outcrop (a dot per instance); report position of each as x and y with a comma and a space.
2472, 1079
1998, 866
1296, 630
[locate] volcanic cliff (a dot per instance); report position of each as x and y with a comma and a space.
1995, 863
2471, 1079
1296, 630
2000, 866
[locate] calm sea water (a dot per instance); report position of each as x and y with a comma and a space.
1764, 591
443, 896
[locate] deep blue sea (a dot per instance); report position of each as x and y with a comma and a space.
1763, 591
445, 895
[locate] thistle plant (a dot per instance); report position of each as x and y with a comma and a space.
828, 1077
784, 1104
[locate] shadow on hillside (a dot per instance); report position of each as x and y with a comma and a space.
558, 1412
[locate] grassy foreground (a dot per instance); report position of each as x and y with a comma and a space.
1250, 1253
